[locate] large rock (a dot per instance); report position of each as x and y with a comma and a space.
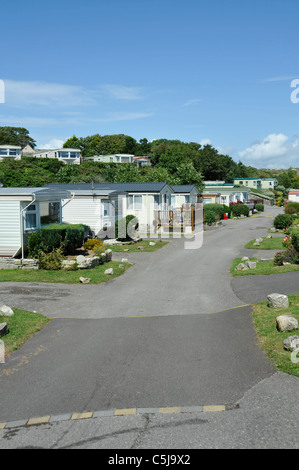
109, 271
258, 240
291, 343
6, 311
3, 329
241, 267
286, 323
87, 263
245, 258
278, 300
84, 280
251, 264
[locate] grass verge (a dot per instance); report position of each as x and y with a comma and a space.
270, 339
262, 268
22, 326
274, 243
62, 276
134, 248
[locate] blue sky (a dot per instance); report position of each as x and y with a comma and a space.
208, 71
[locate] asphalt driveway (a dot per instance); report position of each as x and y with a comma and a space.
170, 332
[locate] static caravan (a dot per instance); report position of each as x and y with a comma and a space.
22, 211
95, 205
293, 195
183, 194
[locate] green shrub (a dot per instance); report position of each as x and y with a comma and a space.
240, 209
291, 207
259, 207
217, 209
34, 244
125, 228
282, 221
69, 236
92, 243
98, 250
51, 261
210, 217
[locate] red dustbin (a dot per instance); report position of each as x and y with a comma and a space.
225, 216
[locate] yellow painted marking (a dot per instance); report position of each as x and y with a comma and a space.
232, 308
2, 425
41, 420
169, 409
214, 408
82, 415
125, 411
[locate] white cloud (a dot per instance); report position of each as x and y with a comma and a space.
275, 151
121, 92
26, 93
205, 142
53, 144
191, 102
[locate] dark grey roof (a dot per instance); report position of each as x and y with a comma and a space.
44, 193
183, 188
122, 187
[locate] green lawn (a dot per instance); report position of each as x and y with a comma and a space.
22, 326
144, 243
274, 243
262, 268
270, 339
62, 276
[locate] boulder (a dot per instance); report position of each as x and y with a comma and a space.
121, 266
109, 271
3, 329
152, 243
80, 259
6, 311
124, 260
291, 343
286, 323
67, 263
245, 258
84, 280
108, 254
256, 244
269, 236
251, 264
140, 247
241, 267
278, 300
258, 240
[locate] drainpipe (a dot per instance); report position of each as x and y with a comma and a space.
21, 216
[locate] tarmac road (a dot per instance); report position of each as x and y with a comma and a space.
172, 332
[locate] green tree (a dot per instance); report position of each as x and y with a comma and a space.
16, 136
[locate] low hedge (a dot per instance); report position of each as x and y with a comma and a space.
283, 221
52, 237
240, 209
217, 209
259, 207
